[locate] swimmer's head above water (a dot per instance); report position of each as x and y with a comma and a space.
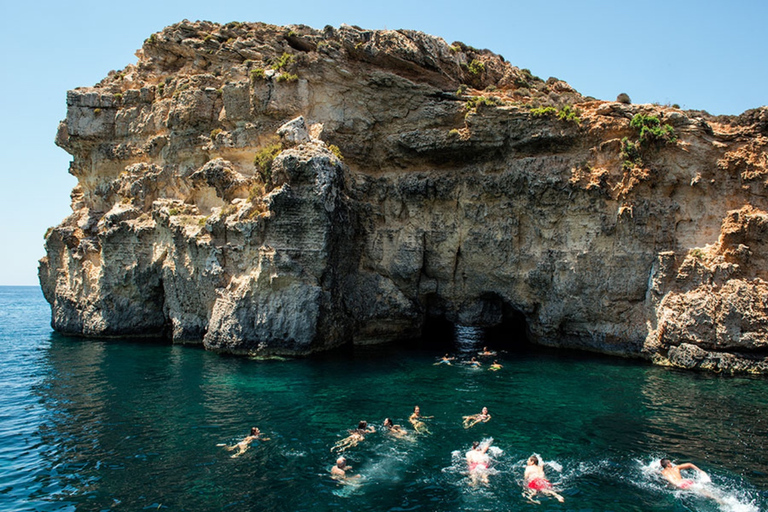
255, 431
533, 461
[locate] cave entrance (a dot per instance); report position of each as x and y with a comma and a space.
447, 332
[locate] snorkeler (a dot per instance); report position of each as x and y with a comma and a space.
339, 471
474, 419
355, 436
478, 462
445, 360
495, 366
415, 419
395, 430
486, 352
243, 445
535, 481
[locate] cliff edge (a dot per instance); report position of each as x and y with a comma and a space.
286, 190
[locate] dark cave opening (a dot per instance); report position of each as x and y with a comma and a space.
506, 330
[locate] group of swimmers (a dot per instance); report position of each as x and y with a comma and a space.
416, 419
478, 461
473, 362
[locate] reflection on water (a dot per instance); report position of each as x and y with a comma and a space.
132, 426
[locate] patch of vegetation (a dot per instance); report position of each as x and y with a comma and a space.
282, 62
476, 67
263, 162
652, 131
173, 212
215, 132
476, 101
258, 74
97, 111
160, 88
523, 79
543, 111
567, 113
462, 89
118, 97
630, 154
697, 253
333, 148
287, 77
256, 193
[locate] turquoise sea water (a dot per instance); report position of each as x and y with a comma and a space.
134, 425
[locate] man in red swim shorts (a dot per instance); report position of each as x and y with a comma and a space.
536, 481
478, 462
671, 474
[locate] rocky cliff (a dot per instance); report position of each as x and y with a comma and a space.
285, 190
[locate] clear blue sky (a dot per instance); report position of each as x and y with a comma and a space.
701, 55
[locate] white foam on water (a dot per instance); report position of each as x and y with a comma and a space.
554, 465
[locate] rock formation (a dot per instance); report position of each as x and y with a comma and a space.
285, 190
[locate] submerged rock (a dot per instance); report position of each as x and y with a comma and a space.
284, 190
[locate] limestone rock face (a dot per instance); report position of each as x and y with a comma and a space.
285, 190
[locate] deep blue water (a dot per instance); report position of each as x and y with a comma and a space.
134, 425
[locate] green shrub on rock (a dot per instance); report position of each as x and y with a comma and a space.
651, 130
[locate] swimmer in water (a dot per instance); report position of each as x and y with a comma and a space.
495, 366
445, 360
536, 482
395, 430
339, 471
354, 437
486, 352
415, 419
243, 445
671, 474
478, 462
474, 419
474, 363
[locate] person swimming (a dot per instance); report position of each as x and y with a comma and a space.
671, 473
415, 419
474, 419
445, 360
339, 471
474, 363
486, 352
673, 476
535, 481
243, 445
478, 463
354, 437
495, 366
395, 430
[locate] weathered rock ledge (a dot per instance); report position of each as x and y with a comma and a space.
286, 190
